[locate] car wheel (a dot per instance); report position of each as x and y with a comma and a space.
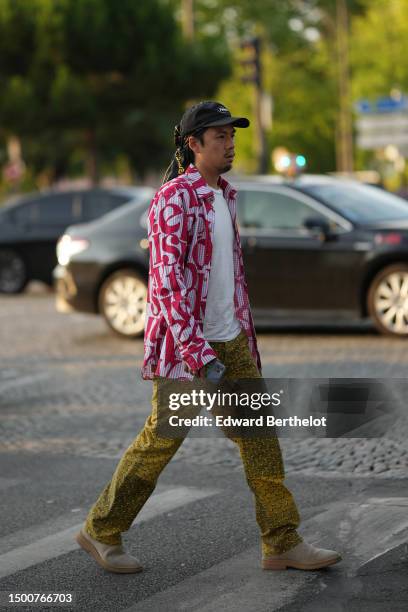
122, 301
387, 300
13, 272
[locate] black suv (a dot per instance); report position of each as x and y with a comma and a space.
30, 227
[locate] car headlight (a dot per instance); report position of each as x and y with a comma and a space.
67, 247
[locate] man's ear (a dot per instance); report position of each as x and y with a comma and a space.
194, 144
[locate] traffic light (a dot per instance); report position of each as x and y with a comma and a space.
300, 161
254, 60
287, 163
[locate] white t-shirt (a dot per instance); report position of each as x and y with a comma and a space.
220, 322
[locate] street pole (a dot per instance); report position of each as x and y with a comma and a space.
255, 77
344, 136
260, 130
187, 7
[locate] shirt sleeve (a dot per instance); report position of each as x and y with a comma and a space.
168, 242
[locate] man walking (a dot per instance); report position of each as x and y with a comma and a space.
198, 311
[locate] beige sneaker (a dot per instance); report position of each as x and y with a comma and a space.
303, 556
111, 558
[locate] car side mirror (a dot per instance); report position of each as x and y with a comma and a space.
318, 227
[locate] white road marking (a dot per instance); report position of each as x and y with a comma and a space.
363, 530
6, 483
234, 584
22, 381
61, 541
172, 498
360, 531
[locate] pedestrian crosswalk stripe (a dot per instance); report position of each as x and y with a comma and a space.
23, 381
6, 483
61, 542
361, 531
234, 584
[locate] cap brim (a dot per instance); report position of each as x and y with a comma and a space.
241, 122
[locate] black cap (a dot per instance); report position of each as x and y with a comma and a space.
208, 114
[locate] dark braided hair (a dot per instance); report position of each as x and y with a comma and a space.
183, 155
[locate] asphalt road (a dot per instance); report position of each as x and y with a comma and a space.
71, 400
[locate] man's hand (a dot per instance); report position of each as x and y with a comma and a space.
201, 372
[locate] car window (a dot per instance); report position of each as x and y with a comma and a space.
6, 215
361, 203
275, 210
56, 210
98, 203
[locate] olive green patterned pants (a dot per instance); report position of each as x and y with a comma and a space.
137, 472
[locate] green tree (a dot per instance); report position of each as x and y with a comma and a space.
300, 69
379, 46
99, 78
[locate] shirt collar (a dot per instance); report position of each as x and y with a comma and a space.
201, 187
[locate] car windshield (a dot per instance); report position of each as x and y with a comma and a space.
360, 203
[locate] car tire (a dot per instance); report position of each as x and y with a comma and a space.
122, 302
13, 272
387, 300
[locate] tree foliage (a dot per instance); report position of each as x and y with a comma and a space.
96, 81
300, 70
99, 77
379, 46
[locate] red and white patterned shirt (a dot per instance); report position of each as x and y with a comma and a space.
180, 227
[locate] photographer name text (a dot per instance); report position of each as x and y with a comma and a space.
260, 421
